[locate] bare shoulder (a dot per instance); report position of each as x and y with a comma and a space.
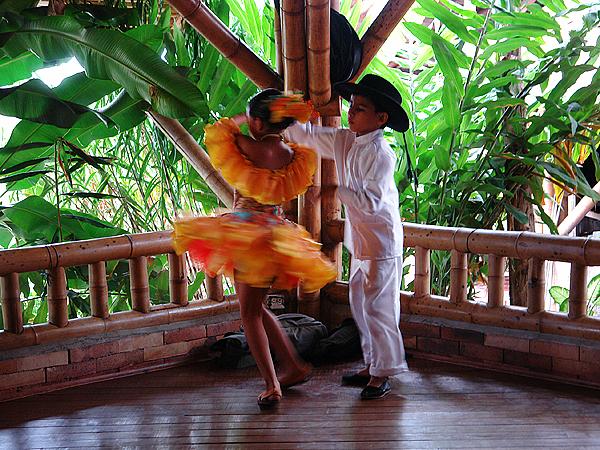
270, 153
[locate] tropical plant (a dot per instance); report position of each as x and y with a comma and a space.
560, 295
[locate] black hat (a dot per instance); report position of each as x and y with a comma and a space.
383, 93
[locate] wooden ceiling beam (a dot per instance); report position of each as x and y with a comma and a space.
381, 29
227, 43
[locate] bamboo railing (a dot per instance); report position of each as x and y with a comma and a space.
498, 246
54, 258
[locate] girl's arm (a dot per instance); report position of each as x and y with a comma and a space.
240, 119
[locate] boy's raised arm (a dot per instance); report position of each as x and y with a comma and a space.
321, 139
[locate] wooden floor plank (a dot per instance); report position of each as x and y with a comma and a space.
435, 405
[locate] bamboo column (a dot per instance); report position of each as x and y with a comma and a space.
278, 43
422, 284
214, 288
295, 70
318, 43
578, 291
380, 30
496, 268
536, 286
185, 143
458, 277
331, 207
230, 46
12, 315
57, 298
98, 289
138, 281
178, 286
294, 45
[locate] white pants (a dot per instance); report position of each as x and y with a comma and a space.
375, 304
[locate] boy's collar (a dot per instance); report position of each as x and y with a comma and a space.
365, 138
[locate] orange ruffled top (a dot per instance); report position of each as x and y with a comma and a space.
269, 187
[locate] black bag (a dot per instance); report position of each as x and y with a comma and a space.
342, 344
304, 332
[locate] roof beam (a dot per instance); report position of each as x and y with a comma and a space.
227, 43
381, 28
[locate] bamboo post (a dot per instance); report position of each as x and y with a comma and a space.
458, 277
317, 25
331, 207
380, 30
98, 289
536, 286
294, 44
422, 284
578, 291
214, 288
229, 45
178, 286
138, 281
278, 43
57, 297
185, 143
496, 268
12, 315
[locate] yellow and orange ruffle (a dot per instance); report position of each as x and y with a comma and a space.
262, 250
270, 187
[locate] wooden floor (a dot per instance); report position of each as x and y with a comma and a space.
433, 406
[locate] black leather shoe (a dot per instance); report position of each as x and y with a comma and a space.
372, 392
355, 379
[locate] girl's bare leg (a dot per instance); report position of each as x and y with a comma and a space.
293, 368
252, 312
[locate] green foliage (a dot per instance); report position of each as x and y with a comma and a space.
560, 295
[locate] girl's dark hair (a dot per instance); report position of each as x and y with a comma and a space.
258, 106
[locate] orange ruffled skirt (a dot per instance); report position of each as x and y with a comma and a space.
262, 249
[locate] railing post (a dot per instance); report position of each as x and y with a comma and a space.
422, 284
178, 286
98, 289
578, 291
11, 303
138, 280
57, 297
458, 277
536, 286
496, 268
214, 288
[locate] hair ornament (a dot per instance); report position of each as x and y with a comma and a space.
291, 107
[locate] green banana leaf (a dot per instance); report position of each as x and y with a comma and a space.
18, 68
110, 55
36, 102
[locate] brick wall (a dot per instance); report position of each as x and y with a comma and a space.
538, 355
42, 368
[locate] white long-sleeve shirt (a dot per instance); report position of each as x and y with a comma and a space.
365, 169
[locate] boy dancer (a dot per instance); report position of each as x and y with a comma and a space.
365, 166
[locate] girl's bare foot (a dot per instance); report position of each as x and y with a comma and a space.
299, 376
